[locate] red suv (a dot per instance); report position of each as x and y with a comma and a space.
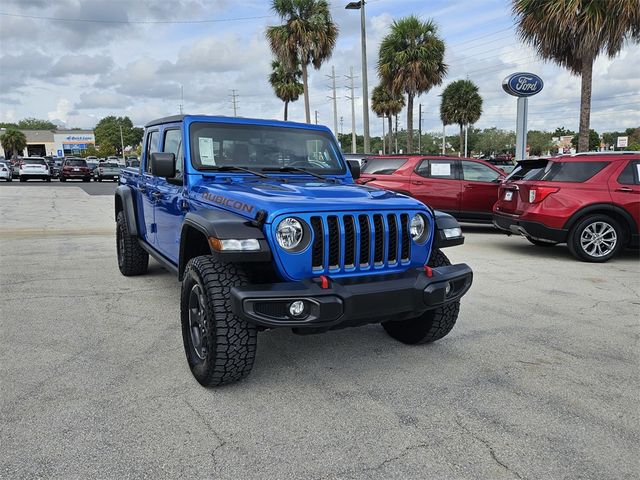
589, 201
463, 187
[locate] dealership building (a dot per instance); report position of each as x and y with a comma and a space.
56, 143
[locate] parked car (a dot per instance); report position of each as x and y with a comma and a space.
360, 157
15, 166
106, 170
590, 202
262, 234
57, 166
75, 168
31, 168
463, 187
5, 171
92, 164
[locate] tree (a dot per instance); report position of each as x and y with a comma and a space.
563, 132
594, 141
573, 33
108, 132
539, 142
36, 124
462, 104
286, 84
411, 61
13, 142
492, 141
387, 104
307, 37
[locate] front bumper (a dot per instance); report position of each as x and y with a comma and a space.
352, 301
536, 230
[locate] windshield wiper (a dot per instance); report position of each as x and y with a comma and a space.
231, 168
297, 169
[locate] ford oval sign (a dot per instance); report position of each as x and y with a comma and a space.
522, 84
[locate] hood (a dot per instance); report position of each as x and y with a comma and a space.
276, 197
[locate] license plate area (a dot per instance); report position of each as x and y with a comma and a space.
508, 195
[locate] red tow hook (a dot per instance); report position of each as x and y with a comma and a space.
324, 282
428, 271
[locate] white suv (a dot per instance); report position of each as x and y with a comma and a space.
5, 171
34, 167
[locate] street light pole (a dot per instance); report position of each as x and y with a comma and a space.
365, 87
121, 142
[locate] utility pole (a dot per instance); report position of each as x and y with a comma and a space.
334, 97
420, 128
384, 140
341, 125
353, 111
396, 135
181, 98
466, 131
121, 142
443, 138
316, 117
234, 101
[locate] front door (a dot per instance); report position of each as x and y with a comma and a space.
170, 207
147, 188
479, 190
625, 189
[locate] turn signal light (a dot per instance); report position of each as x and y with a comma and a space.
538, 194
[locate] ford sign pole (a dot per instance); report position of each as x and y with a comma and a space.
522, 85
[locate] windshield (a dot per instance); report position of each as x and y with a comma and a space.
383, 166
34, 161
262, 147
527, 170
110, 165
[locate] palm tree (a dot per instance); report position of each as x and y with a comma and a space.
573, 33
462, 104
286, 84
13, 141
386, 104
307, 37
411, 61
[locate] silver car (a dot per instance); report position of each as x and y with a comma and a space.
106, 170
34, 167
5, 172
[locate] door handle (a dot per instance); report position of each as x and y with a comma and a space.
624, 189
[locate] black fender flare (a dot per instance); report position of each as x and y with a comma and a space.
444, 221
224, 225
599, 207
124, 203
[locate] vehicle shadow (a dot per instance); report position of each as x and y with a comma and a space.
485, 228
561, 251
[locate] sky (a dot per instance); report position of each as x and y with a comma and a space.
77, 61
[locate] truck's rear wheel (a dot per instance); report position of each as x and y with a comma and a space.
432, 325
219, 346
132, 258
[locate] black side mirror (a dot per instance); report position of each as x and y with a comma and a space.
354, 168
163, 165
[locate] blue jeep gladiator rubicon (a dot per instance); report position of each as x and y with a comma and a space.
264, 226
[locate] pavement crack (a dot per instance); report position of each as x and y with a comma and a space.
490, 448
205, 421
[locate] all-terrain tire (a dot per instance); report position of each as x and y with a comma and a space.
612, 239
227, 344
132, 258
432, 325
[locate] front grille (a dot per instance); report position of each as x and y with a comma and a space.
362, 241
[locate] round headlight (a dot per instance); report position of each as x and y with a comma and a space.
417, 228
289, 233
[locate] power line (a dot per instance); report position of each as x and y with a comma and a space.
132, 22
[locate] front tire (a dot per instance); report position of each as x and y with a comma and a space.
219, 346
595, 238
62, 179
132, 258
432, 325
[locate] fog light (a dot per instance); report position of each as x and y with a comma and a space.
447, 289
452, 232
297, 308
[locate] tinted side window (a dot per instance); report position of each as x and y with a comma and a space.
527, 170
571, 171
442, 169
631, 174
173, 144
152, 147
476, 172
384, 166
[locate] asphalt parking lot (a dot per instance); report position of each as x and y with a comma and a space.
539, 379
